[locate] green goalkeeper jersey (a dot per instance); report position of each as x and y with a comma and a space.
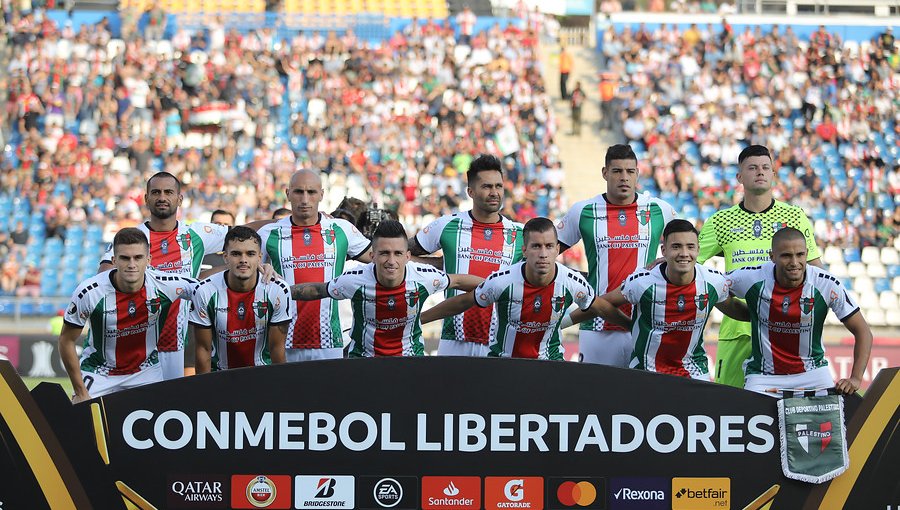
744, 238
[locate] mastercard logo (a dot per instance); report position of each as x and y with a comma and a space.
576, 493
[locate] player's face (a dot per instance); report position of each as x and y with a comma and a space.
756, 174
487, 192
390, 255
223, 219
304, 193
540, 251
163, 198
242, 258
789, 257
621, 180
680, 251
130, 261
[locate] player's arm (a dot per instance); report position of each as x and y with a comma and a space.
104, 266
464, 282
435, 262
366, 256
734, 308
67, 338
862, 348
816, 262
309, 291
277, 335
258, 224
813, 256
606, 306
449, 307
204, 340
709, 243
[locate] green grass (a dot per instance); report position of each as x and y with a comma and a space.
31, 382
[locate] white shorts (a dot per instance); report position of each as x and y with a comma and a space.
292, 355
172, 364
817, 379
612, 348
457, 348
99, 385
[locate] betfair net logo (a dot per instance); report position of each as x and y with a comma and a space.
701, 493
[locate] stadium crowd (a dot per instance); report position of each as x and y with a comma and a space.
691, 100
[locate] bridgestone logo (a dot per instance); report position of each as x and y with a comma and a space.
634, 495
451, 501
324, 504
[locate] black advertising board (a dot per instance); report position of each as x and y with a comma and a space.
441, 433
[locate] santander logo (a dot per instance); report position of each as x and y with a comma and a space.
451, 490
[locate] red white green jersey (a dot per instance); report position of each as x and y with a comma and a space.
386, 320
240, 320
670, 319
472, 247
786, 324
314, 253
529, 316
179, 251
744, 238
124, 327
618, 239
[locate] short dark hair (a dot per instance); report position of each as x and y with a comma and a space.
130, 235
221, 212
619, 151
241, 233
281, 212
390, 229
754, 150
538, 225
160, 175
787, 234
483, 163
350, 209
678, 226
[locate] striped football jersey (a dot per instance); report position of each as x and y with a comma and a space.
472, 247
124, 327
240, 320
386, 320
314, 253
670, 319
786, 324
529, 316
618, 239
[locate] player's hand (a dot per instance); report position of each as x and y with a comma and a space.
268, 273
848, 386
655, 263
80, 397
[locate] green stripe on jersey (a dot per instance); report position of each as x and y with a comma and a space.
820, 311
98, 334
359, 323
197, 252
503, 313
211, 306
645, 326
657, 224
450, 244
753, 302
273, 249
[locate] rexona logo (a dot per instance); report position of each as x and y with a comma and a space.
639, 494
576, 493
324, 491
197, 491
701, 493
451, 493
502, 492
395, 492
261, 491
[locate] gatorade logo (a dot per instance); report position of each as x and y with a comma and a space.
701, 493
514, 492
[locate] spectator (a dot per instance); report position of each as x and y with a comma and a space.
30, 282
156, 22
576, 102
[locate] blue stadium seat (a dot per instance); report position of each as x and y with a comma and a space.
847, 282
835, 214
893, 271
27, 308
706, 211
882, 285
819, 213
7, 308
852, 255
853, 215
47, 309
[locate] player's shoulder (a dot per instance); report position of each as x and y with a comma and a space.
202, 227
723, 215
170, 280
96, 284
758, 272
571, 275
709, 273
779, 206
423, 270
641, 274
821, 276
216, 280
506, 274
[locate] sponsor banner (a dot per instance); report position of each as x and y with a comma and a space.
565, 493
639, 493
701, 493
503, 492
9, 349
397, 492
261, 491
813, 444
451, 493
198, 491
324, 491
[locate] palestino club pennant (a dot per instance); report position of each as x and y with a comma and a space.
813, 441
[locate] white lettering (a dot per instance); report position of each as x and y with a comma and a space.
591, 433
128, 430
536, 436
678, 436
159, 430
286, 431
422, 443
727, 433
754, 428
386, 443
243, 429
321, 424
564, 420
626, 419
205, 427
703, 436
371, 431
467, 432
498, 431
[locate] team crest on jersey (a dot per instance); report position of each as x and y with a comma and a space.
834, 296
580, 295
207, 229
164, 246
307, 237
757, 228
806, 305
261, 308
680, 303
558, 303
132, 309
391, 303
511, 235
153, 305
538, 304
202, 313
329, 236
437, 283
488, 234
623, 218
785, 304
185, 241
412, 298
702, 301
643, 216
778, 225
241, 311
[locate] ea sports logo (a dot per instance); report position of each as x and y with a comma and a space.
388, 492
261, 492
582, 493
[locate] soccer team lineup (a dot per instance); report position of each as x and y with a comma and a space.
315, 285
